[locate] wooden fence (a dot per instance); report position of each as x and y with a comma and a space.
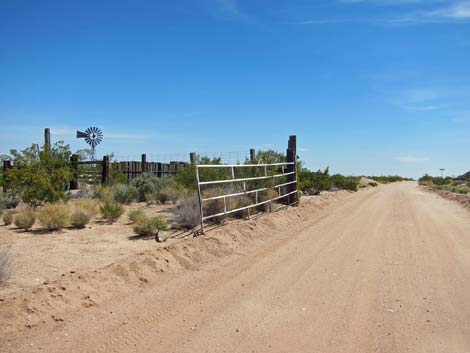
88, 171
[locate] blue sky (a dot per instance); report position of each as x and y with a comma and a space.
369, 87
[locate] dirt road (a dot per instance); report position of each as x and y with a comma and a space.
387, 270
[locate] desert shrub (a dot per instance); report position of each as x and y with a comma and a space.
89, 205
6, 266
54, 216
8, 201
111, 211
79, 217
40, 176
150, 184
265, 195
149, 226
389, 178
135, 215
25, 219
236, 202
163, 195
103, 193
313, 182
187, 212
345, 182
373, 184
7, 217
124, 193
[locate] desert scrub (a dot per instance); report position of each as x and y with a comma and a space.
8, 201
123, 193
149, 184
111, 211
89, 205
79, 217
149, 226
187, 212
236, 202
266, 195
6, 266
54, 216
7, 217
135, 215
25, 219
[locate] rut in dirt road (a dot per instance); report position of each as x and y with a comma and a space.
387, 270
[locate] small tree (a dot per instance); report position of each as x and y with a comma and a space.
40, 176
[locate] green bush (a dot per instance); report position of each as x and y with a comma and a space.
345, 183
111, 211
7, 217
149, 184
149, 226
135, 215
79, 217
25, 219
123, 193
40, 176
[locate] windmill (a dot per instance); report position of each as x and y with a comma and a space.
93, 136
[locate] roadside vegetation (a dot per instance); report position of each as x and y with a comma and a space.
457, 185
39, 197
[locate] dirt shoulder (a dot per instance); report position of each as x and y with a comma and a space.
62, 275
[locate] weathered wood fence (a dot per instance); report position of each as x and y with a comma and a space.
130, 169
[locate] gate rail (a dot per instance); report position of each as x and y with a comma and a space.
289, 170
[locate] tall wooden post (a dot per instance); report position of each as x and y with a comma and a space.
6, 166
291, 156
74, 164
192, 158
47, 140
105, 171
144, 163
252, 155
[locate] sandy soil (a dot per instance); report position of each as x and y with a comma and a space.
383, 270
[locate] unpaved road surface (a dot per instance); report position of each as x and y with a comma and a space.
386, 270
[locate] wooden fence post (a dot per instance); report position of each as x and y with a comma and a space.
74, 164
105, 171
144, 163
252, 155
6, 166
47, 140
291, 156
192, 158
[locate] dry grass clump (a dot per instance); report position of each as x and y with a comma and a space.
187, 212
7, 217
54, 216
89, 205
135, 215
6, 266
25, 219
79, 217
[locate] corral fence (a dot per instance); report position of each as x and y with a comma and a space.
249, 180
101, 171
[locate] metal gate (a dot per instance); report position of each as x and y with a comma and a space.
286, 189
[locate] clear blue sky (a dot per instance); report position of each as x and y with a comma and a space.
368, 86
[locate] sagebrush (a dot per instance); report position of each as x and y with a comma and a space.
25, 219
54, 216
111, 211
